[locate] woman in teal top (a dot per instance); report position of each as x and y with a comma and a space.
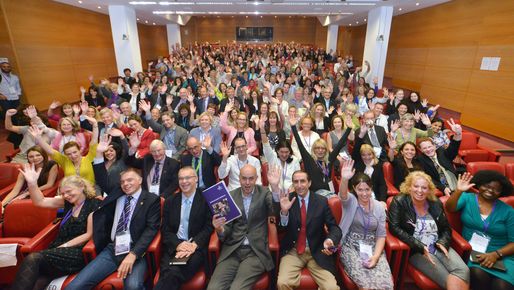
486, 218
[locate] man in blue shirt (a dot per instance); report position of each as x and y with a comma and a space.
10, 89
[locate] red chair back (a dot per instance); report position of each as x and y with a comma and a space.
474, 167
469, 141
23, 219
508, 200
388, 172
336, 208
264, 174
9, 173
509, 171
453, 217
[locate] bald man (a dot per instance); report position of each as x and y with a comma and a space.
244, 253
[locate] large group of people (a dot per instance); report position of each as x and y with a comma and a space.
318, 124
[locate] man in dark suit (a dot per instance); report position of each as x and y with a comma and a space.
203, 161
231, 98
186, 230
244, 253
127, 78
375, 136
303, 215
204, 100
325, 99
439, 163
123, 227
159, 171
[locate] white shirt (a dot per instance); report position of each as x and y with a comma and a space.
306, 141
232, 167
382, 122
120, 204
287, 171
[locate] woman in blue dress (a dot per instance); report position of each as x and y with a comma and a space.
488, 225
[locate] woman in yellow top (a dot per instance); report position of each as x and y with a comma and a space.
405, 130
72, 162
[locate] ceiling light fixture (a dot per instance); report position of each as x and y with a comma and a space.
153, 23
137, 19
400, 9
417, 4
146, 21
99, 7
142, 2
80, 2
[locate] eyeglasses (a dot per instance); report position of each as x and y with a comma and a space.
192, 148
240, 147
491, 189
186, 178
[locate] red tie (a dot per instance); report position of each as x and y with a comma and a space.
302, 236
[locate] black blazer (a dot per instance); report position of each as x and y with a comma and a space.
169, 175
377, 177
199, 103
200, 225
209, 163
445, 158
145, 221
318, 215
153, 100
382, 139
402, 219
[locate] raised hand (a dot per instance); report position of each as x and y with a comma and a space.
31, 112
11, 112
225, 150
35, 132
285, 203
76, 109
134, 140
218, 222
426, 120
104, 144
82, 90
169, 100
347, 170
375, 80
293, 120
349, 122
455, 127
229, 106
207, 141
83, 106
417, 115
91, 120
90, 78
331, 110
464, 182
54, 105
30, 173
143, 105
395, 125
424, 103
318, 89
163, 88
190, 98
274, 174
390, 96
192, 108
115, 132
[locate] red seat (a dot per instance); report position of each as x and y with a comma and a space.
8, 177
474, 167
389, 178
470, 151
264, 174
54, 124
22, 222
508, 200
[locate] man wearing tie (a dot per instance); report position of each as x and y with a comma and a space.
373, 135
123, 227
203, 161
186, 230
304, 214
159, 171
204, 100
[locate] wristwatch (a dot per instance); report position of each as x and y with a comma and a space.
500, 255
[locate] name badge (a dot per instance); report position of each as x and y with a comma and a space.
366, 252
158, 107
122, 243
12, 90
331, 186
479, 242
169, 153
154, 188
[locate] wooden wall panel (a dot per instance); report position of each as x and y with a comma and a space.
153, 42
439, 50
6, 49
285, 29
57, 47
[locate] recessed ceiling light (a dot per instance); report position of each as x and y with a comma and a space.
289, 16
217, 17
261, 16
232, 16
99, 7
153, 23
276, 16
365, 19
80, 2
417, 4
146, 21
350, 24
137, 19
246, 16
400, 9
357, 22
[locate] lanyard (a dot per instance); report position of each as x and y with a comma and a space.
366, 219
308, 142
423, 218
403, 136
324, 168
70, 213
284, 175
486, 223
7, 79
198, 165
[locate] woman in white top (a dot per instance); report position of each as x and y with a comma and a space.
307, 136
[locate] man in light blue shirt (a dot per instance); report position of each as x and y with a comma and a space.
10, 89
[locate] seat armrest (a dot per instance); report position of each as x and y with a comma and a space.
41, 240
5, 191
274, 245
494, 156
391, 190
214, 252
460, 245
89, 251
398, 256
154, 253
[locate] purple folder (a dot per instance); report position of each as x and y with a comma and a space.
221, 202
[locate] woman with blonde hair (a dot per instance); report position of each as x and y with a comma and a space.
405, 130
321, 122
69, 130
64, 255
416, 217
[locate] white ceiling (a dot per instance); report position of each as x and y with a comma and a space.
346, 13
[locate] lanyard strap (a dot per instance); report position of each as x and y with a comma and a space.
70, 213
366, 219
486, 223
423, 218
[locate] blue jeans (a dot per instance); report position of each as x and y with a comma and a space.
102, 266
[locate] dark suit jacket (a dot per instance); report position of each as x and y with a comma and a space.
254, 227
445, 158
318, 215
169, 175
209, 162
377, 178
225, 101
145, 220
382, 139
199, 103
180, 136
153, 100
200, 225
